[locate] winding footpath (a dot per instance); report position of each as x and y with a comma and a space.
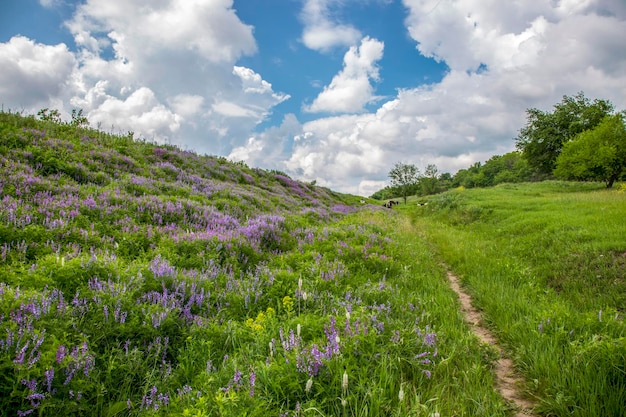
508, 382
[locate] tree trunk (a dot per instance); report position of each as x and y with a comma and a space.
609, 182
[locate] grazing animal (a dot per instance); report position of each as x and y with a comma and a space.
390, 203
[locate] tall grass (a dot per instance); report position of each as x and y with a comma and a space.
547, 264
140, 280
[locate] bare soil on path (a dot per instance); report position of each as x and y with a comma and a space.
508, 382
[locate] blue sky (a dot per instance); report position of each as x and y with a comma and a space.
335, 91
292, 67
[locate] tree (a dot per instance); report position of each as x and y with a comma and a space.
510, 167
404, 177
430, 181
598, 154
78, 119
545, 133
49, 115
467, 177
445, 181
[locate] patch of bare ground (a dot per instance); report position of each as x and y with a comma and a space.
508, 382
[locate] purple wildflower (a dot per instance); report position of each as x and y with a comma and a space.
61, 352
49, 374
30, 384
19, 358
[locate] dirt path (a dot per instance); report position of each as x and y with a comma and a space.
507, 381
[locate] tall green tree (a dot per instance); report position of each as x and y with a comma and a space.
429, 182
545, 133
468, 177
404, 177
510, 167
598, 154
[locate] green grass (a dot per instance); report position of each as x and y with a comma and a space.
143, 280
546, 263
140, 280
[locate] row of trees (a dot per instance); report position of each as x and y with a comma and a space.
407, 180
579, 140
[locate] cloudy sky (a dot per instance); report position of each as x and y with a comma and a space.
335, 91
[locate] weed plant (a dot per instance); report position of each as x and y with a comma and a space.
139, 279
546, 263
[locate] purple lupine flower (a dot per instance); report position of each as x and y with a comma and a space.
90, 363
429, 339
19, 358
49, 374
30, 384
311, 360
332, 337
237, 377
421, 355
35, 397
163, 398
377, 324
70, 371
294, 341
161, 267
186, 389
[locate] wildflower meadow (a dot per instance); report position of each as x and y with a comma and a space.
139, 279
145, 280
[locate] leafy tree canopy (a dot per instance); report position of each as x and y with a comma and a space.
404, 177
429, 182
598, 154
545, 133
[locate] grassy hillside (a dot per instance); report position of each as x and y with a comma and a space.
546, 263
138, 279
141, 280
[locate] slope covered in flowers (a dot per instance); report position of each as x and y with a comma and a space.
139, 279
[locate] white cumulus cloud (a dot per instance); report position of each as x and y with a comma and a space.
321, 31
164, 69
351, 89
33, 74
504, 57
171, 70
